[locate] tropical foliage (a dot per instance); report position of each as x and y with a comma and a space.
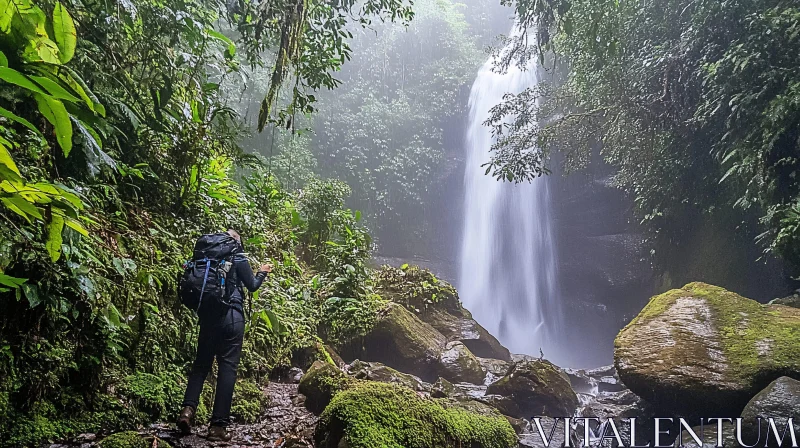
694, 102
117, 150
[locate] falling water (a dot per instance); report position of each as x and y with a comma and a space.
508, 257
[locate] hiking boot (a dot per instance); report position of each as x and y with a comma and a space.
218, 434
185, 420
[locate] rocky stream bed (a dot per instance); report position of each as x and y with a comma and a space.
429, 375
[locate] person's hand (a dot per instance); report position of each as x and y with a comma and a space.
265, 268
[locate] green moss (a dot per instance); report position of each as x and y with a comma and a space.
415, 288
130, 439
320, 383
40, 424
127, 439
248, 401
370, 415
157, 396
757, 340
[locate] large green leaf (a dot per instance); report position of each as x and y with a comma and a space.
3, 58
64, 33
14, 117
6, 14
12, 76
7, 161
29, 25
54, 239
12, 282
22, 207
57, 115
77, 84
55, 89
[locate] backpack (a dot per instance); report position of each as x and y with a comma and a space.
203, 278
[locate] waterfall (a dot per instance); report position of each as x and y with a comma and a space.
508, 258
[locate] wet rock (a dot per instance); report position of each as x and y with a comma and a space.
444, 389
402, 341
458, 364
295, 374
792, 301
436, 302
320, 384
581, 382
703, 350
460, 326
535, 388
609, 384
520, 425
622, 404
600, 372
506, 405
375, 371
494, 368
779, 400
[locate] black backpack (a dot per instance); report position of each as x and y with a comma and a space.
204, 276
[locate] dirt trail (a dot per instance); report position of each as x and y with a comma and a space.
285, 423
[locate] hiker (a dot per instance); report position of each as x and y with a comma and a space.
221, 325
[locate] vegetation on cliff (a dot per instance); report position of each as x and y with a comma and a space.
694, 102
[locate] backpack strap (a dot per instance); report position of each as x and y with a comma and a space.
205, 280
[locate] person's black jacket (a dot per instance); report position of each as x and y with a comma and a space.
240, 276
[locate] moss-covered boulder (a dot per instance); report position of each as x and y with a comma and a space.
320, 383
131, 439
704, 350
375, 371
402, 341
436, 302
533, 388
458, 364
369, 415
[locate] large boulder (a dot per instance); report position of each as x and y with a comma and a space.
402, 341
370, 414
458, 364
703, 350
780, 400
533, 388
436, 302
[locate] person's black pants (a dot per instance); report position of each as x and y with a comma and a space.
220, 338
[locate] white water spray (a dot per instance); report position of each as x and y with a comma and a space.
508, 258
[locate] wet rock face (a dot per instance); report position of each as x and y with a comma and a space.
703, 350
534, 388
458, 325
436, 303
780, 400
458, 364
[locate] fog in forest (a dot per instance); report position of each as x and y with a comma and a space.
554, 265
